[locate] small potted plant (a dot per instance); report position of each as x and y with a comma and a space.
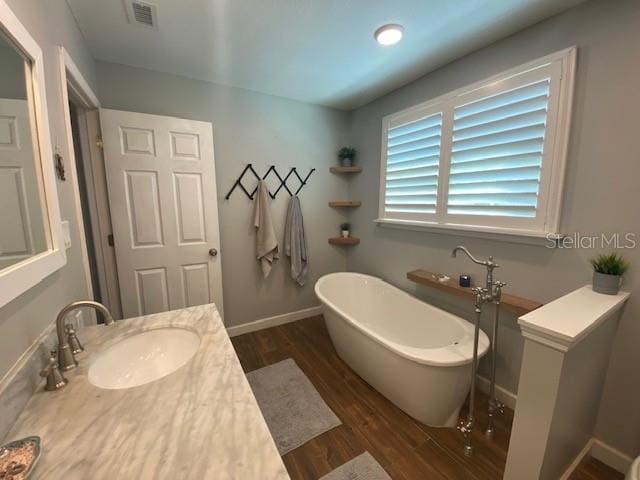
346, 156
345, 229
607, 273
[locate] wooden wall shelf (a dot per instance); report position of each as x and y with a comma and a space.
516, 305
345, 204
354, 169
344, 241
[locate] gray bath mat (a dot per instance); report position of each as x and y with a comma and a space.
293, 409
363, 467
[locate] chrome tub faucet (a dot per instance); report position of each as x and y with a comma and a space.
490, 293
489, 264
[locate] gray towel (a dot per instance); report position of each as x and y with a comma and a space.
295, 242
266, 241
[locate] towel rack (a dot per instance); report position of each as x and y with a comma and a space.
271, 169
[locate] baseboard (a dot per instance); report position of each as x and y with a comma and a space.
272, 321
596, 448
502, 394
586, 450
600, 451
610, 456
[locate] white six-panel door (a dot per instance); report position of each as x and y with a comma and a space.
22, 231
162, 195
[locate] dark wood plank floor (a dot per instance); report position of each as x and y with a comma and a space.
407, 449
592, 469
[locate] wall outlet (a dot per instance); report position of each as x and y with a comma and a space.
66, 233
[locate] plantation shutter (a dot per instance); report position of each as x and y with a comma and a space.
413, 159
489, 157
497, 153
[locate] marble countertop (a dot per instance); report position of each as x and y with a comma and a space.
200, 422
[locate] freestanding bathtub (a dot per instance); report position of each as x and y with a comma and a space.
415, 354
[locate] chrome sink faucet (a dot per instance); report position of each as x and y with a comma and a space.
490, 293
66, 357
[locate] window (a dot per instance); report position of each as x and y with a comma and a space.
488, 157
413, 161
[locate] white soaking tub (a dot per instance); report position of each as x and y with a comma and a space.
415, 354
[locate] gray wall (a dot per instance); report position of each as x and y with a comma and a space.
23, 320
600, 194
263, 130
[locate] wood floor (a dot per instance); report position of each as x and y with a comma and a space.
407, 449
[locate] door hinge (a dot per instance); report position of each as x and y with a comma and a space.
99, 143
110, 240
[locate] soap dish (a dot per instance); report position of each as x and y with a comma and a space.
19, 458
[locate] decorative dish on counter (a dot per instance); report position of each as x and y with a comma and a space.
19, 458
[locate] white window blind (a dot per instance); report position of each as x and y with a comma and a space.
497, 153
413, 159
488, 157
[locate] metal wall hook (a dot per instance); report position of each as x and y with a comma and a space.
238, 182
282, 182
302, 182
270, 170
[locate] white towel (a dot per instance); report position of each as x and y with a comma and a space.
295, 242
266, 241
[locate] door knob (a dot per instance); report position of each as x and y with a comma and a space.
213, 252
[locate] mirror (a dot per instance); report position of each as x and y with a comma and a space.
31, 236
23, 227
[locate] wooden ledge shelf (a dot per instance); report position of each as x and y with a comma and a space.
344, 241
345, 204
354, 169
516, 305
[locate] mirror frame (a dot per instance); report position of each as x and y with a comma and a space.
20, 277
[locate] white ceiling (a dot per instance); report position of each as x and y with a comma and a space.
317, 51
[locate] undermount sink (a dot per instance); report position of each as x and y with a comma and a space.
143, 358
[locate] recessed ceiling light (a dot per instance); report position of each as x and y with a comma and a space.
389, 34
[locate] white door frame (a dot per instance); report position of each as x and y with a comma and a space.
72, 79
100, 215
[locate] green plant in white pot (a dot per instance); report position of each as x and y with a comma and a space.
345, 230
346, 156
607, 273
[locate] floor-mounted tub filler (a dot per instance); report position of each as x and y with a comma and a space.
490, 293
416, 355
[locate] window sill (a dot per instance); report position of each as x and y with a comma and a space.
527, 237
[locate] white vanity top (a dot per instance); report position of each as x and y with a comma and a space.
200, 422
564, 322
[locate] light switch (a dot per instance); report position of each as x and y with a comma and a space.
66, 234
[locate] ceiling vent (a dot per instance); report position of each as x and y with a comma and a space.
142, 13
